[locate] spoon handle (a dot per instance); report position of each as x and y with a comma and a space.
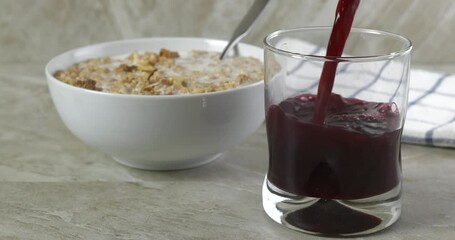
245, 25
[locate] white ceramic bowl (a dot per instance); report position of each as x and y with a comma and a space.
157, 132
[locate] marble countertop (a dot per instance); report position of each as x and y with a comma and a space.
52, 186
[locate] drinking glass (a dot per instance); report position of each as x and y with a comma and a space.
339, 175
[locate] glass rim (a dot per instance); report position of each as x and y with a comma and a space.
361, 58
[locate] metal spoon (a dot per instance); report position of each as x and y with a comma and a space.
245, 25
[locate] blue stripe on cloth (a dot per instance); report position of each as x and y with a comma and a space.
431, 90
437, 142
399, 84
376, 78
429, 134
343, 68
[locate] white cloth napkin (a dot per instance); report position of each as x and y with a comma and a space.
430, 118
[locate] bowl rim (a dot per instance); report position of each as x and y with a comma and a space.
51, 78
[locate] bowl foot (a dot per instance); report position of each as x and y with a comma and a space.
167, 166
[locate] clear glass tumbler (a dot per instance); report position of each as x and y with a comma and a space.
338, 174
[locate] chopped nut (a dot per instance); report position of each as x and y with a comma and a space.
166, 81
168, 54
125, 68
87, 84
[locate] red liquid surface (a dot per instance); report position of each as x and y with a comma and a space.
354, 154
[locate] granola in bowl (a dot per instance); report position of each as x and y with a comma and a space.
159, 132
163, 73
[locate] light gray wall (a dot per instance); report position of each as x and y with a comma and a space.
36, 30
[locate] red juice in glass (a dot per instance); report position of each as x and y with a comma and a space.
355, 154
334, 124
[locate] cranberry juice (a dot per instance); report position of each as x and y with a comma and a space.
330, 147
354, 154
334, 148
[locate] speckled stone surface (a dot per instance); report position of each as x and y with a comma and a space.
52, 186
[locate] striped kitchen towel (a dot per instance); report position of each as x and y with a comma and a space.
431, 110
430, 118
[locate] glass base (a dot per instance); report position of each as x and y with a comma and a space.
332, 217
